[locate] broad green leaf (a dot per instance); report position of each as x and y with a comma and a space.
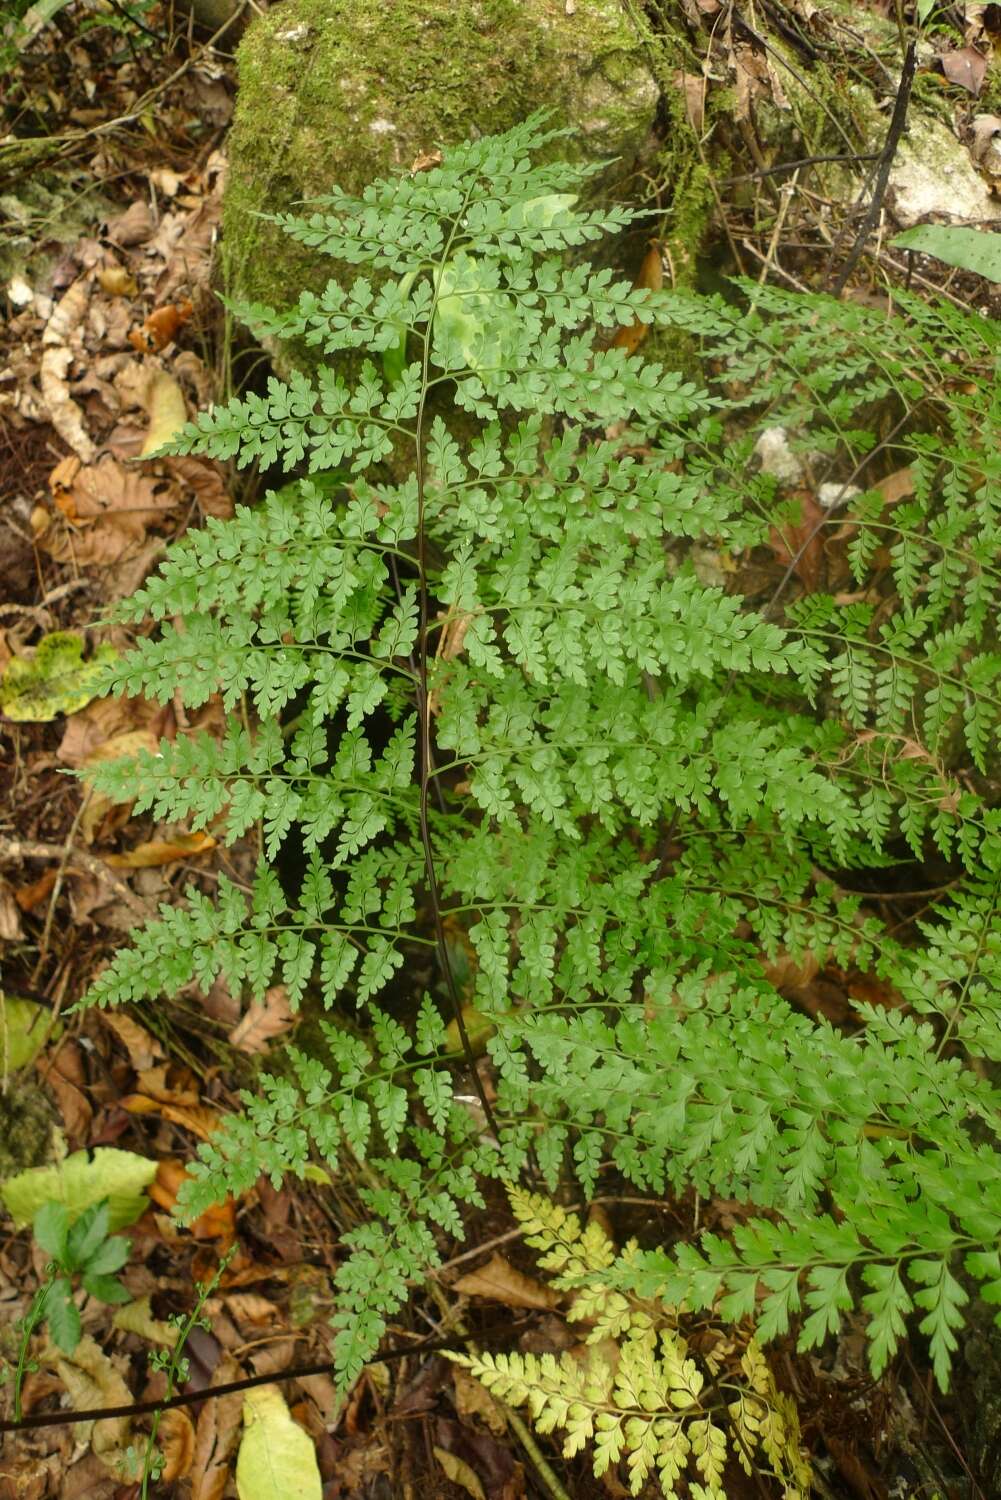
969, 249
466, 316
24, 1029
54, 680
277, 1460
78, 1182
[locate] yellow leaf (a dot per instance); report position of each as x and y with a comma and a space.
460, 1473
167, 412
277, 1460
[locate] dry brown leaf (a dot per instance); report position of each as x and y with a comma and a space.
167, 412
142, 1048
133, 226
67, 318
161, 327
264, 1020
474, 1400
108, 722
250, 1307
500, 1281
110, 508
162, 851
800, 544
92, 1380
965, 67
650, 277
216, 1223
216, 1435
200, 1119
176, 1439
118, 281
30, 896
204, 476
66, 1076
694, 87
63, 412
11, 930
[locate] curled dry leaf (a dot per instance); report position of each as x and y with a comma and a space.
117, 281
500, 1281
143, 1049
216, 1434
67, 319
92, 1380
168, 1093
650, 277
459, 1472
161, 327
177, 1443
162, 851
63, 412
133, 226
216, 1223
265, 1020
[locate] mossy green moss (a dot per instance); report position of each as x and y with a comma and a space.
345, 91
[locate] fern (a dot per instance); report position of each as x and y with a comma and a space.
473, 677
641, 1397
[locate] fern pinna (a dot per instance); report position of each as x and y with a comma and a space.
469, 660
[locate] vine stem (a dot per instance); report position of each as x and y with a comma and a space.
426, 765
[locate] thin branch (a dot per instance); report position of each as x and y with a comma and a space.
898, 120
191, 1398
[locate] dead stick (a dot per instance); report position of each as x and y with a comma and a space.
897, 122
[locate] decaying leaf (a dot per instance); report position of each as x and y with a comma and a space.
79, 1181
265, 1020
92, 1380
276, 1459
143, 1049
964, 66
117, 281
500, 1281
137, 1317
216, 1223
800, 544
63, 412
110, 507
24, 1028
162, 851
161, 327
54, 679
216, 1434
650, 277
167, 412
459, 1472
177, 1444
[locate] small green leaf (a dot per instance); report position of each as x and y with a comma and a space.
62, 1315
106, 1288
969, 249
50, 1227
87, 1235
54, 680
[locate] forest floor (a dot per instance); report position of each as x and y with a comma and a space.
107, 241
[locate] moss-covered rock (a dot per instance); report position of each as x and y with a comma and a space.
345, 91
